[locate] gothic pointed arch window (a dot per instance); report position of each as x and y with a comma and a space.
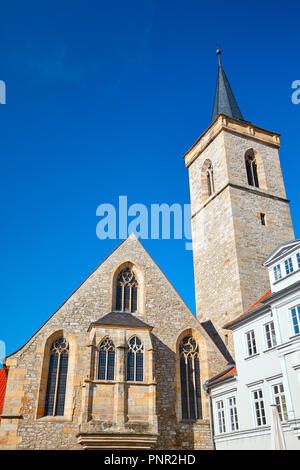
135, 360
210, 179
190, 379
57, 378
207, 180
106, 360
126, 291
251, 168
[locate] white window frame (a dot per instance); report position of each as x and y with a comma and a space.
265, 335
296, 307
288, 263
253, 401
223, 416
253, 337
283, 413
277, 272
232, 426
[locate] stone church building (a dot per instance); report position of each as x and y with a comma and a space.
122, 363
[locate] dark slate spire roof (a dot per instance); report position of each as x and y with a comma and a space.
225, 102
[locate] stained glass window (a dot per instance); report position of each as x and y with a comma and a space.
135, 360
57, 378
190, 379
126, 291
106, 363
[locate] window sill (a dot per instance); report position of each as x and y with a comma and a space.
295, 336
286, 276
54, 419
191, 421
251, 357
270, 349
113, 382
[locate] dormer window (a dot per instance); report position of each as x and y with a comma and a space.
277, 272
288, 263
298, 259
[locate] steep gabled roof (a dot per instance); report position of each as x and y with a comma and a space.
220, 349
225, 102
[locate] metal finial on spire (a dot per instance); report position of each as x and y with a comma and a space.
218, 52
225, 102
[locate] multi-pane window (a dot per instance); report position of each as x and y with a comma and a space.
234, 424
288, 263
190, 379
106, 361
295, 312
135, 360
210, 179
251, 169
259, 407
298, 259
57, 378
280, 402
126, 291
277, 272
270, 335
251, 343
221, 416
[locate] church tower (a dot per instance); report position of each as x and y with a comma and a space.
240, 212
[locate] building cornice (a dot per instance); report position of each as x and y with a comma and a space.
231, 125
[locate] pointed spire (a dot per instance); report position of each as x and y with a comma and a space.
225, 102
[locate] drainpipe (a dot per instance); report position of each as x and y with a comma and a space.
206, 391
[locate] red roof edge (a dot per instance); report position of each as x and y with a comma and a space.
3, 380
257, 304
225, 373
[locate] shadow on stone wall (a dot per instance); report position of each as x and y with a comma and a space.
173, 434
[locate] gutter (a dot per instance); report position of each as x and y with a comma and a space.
207, 393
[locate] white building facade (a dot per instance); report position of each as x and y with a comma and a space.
267, 370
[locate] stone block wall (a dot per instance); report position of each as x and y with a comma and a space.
23, 425
229, 241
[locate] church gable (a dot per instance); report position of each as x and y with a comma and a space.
123, 340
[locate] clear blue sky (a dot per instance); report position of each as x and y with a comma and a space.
103, 99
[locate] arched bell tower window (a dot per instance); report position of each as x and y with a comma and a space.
57, 378
207, 180
106, 363
210, 179
190, 379
126, 291
135, 360
251, 168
